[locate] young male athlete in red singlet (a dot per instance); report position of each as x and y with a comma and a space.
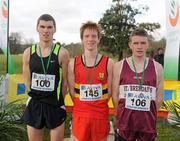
137, 91
90, 77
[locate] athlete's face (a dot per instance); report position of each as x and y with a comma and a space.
90, 39
46, 30
139, 45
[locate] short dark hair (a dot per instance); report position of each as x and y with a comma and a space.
46, 17
138, 32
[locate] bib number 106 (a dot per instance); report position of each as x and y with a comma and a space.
138, 102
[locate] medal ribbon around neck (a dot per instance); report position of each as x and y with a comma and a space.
49, 58
87, 75
137, 76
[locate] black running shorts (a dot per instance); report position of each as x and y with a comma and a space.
39, 115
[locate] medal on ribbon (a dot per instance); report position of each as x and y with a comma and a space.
101, 76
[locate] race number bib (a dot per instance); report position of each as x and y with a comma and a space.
138, 101
42, 82
90, 92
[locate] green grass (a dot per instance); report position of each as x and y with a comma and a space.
166, 132
3, 64
17, 63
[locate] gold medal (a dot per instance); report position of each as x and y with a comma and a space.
101, 76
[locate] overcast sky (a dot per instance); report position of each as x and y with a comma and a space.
70, 14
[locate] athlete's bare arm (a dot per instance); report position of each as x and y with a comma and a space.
115, 84
64, 59
160, 85
71, 77
110, 76
26, 71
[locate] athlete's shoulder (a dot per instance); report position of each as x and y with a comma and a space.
119, 63
27, 51
158, 66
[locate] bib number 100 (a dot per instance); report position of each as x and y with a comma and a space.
42, 83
